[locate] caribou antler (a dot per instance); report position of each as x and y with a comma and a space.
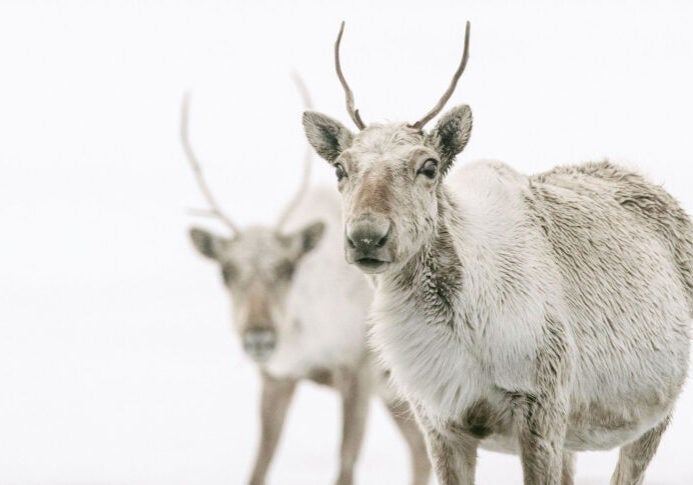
197, 169
307, 158
302, 90
354, 113
465, 56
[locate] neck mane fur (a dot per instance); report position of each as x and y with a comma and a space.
433, 276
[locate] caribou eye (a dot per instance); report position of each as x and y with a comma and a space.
339, 171
428, 168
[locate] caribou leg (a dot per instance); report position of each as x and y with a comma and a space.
634, 457
274, 404
355, 389
406, 422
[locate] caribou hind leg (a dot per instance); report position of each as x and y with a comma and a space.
406, 422
634, 457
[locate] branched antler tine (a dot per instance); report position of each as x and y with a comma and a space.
354, 113
307, 159
446, 96
197, 169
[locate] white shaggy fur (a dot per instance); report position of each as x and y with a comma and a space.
444, 371
324, 322
303, 310
540, 315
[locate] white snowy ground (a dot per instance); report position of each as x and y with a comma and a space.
117, 361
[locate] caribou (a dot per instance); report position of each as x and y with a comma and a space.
300, 312
540, 315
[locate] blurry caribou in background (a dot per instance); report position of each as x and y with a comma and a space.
541, 315
300, 312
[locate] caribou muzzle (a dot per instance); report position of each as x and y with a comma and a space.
369, 243
259, 344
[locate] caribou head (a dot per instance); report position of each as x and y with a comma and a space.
390, 174
257, 263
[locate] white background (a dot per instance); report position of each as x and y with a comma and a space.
117, 360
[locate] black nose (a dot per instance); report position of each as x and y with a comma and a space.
259, 344
368, 234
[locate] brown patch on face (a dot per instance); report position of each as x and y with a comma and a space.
259, 316
375, 194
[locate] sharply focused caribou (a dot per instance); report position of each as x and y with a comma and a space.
540, 315
300, 311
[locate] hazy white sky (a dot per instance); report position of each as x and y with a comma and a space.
117, 364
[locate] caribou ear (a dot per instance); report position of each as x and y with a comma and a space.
311, 235
329, 137
206, 243
451, 134
306, 239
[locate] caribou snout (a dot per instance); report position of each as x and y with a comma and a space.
368, 242
259, 344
